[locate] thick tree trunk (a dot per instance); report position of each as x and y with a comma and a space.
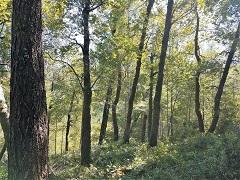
197, 79
137, 73
87, 91
159, 85
69, 121
219, 93
114, 106
144, 126
28, 137
4, 120
105, 114
150, 101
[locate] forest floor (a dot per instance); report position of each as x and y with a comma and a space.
199, 157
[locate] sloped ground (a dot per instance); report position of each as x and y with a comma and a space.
209, 157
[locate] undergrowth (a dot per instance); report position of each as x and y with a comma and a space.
200, 157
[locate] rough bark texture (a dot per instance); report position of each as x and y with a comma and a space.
114, 106
87, 91
144, 126
105, 115
28, 137
158, 92
4, 120
69, 122
150, 101
197, 78
137, 73
219, 93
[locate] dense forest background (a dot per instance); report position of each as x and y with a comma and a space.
136, 89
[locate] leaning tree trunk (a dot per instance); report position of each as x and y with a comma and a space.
69, 121
219, 93
197, 79
87, 91
114, 106
4, 120
159, 85
28, 133
137, 73
105, 114
150, 101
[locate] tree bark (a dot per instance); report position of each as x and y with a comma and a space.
28, 136
219, 93
87, 91
144, 125
158, 91
69, 121
197, 78
114, 106
137, 74
150, 101
105, 114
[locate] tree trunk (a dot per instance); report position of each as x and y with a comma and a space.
137, 73
4, 120
150, 101
144, 125
218, 95
158, 91
114, 106
197, 79
105, 114
55, 136
69, 121
28, 136
87, 91
4, 148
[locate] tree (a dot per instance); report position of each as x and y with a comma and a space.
127, 130
28, 136
150, 103
159, 85
114, 105
219, 93
69, 121
105, 114
87, 91
197, 78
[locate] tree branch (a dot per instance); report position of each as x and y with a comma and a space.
70, 66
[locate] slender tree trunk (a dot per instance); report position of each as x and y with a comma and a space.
137, 73
4, 120
197, 79
171, 114
28, 136
69, 121
62, 130
144, 126
114, 106
4, 148
87, 91
55, 137
158, 91
105, 114
150, 101
218, 95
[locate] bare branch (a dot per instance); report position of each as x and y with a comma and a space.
71, 67
96, 6
96, 80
